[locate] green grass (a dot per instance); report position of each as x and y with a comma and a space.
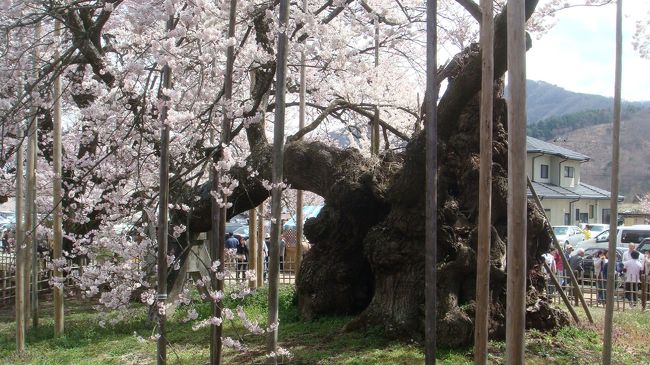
312, 342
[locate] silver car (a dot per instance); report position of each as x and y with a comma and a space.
568, 235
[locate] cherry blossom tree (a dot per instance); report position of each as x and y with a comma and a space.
367, 257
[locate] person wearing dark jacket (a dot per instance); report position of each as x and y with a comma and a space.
575, 261
242, 259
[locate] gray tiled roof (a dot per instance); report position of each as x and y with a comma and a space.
582, 191
534, 145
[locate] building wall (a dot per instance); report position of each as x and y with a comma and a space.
534, 162
534, 172
557, 208
569, 182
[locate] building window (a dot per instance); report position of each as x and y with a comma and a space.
592, 211
577, 215
568, 171
606, 216
543, 174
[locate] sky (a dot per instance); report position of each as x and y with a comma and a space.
578, 53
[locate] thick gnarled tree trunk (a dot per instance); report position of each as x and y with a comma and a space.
367, 257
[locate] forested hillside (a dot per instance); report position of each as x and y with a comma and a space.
546, 101
557, 126
595, 141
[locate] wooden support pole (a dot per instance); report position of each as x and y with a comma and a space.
217, 252
276, 192
20, 251
517, 206
431, 189
558, 247
31, 280
252, 245
301, 124
481, 323
613, 221
260, 247
375, 120
644, 290
565, 299
57, 196
163, 216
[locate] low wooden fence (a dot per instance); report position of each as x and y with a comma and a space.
8, 278
594, 291
237, 271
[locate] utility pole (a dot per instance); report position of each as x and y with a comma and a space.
57, 195
613, 220
163, 211
431, 189
517, 202
276, 192
481, 323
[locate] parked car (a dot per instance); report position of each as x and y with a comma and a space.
632, 234
590, 253
236, 222
244, 231
644, 245
595, 228
601, 241
568, 234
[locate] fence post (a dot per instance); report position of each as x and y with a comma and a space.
4, 285
644, 291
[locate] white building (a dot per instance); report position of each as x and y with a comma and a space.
555, 174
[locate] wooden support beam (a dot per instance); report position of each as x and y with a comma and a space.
163, 216
252, 245
517, 206
20, 252
57, 195
616, 133
276, 192
481, 323
431, 189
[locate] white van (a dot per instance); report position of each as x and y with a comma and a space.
624, 236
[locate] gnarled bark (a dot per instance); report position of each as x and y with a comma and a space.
368, 241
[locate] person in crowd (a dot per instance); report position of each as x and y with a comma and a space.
265, 247
600, 261
632, 269
242, 258
4, 241
550, 262
283, 245
646, 271
231, 242
576, 260
631, 247
559, 265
